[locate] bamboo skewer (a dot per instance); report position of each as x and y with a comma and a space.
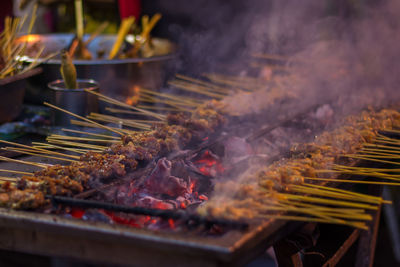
388, 148
333, 217
41, 165
330, 215
119, 103
372, 153
39, 150
370, 159
306, 209
25, 151
350, 181
366, 169
392, 131
326, 193
123, 111
17, 172
8, 179
96, 140
360, 173
147, 26
47, 145
86, 124
93, 134
122, 32
384, 141
11, 182
323, 208
124, 122
76, 144
324, 201
79, 19
83, 118
379, 199
145, 123
160, 108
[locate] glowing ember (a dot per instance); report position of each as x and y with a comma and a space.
134, 95
209, 164
171, 223
77, 213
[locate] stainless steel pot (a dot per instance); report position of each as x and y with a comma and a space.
77, 101
117, 77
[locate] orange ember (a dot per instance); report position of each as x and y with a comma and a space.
209, 165
171, 223
134, 95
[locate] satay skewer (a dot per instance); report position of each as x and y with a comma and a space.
119, 103
390, 148
83, 118
95, 140
324, 201
332, 194
355, 156
77, 144
122, 122
47, 145
17, 172
363, 173
351, 181
39, 150
392, 152
365, 169
8, 179
29, 152
328, 188
146, 95
373, 153
89, 133
329, 215
91, 125
41, 165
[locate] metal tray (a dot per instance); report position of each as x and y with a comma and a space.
117, 77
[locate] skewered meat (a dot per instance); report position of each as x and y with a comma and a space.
10, 197
94, 168
306, 160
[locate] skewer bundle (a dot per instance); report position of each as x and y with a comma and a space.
282, 187
95, 160
292, 185
11, 52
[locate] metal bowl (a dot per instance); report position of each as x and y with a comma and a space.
77, 101
117, 77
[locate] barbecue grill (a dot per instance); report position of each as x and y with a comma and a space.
99, 242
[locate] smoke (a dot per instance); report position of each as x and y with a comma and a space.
345, 48
353, 59
346, 56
